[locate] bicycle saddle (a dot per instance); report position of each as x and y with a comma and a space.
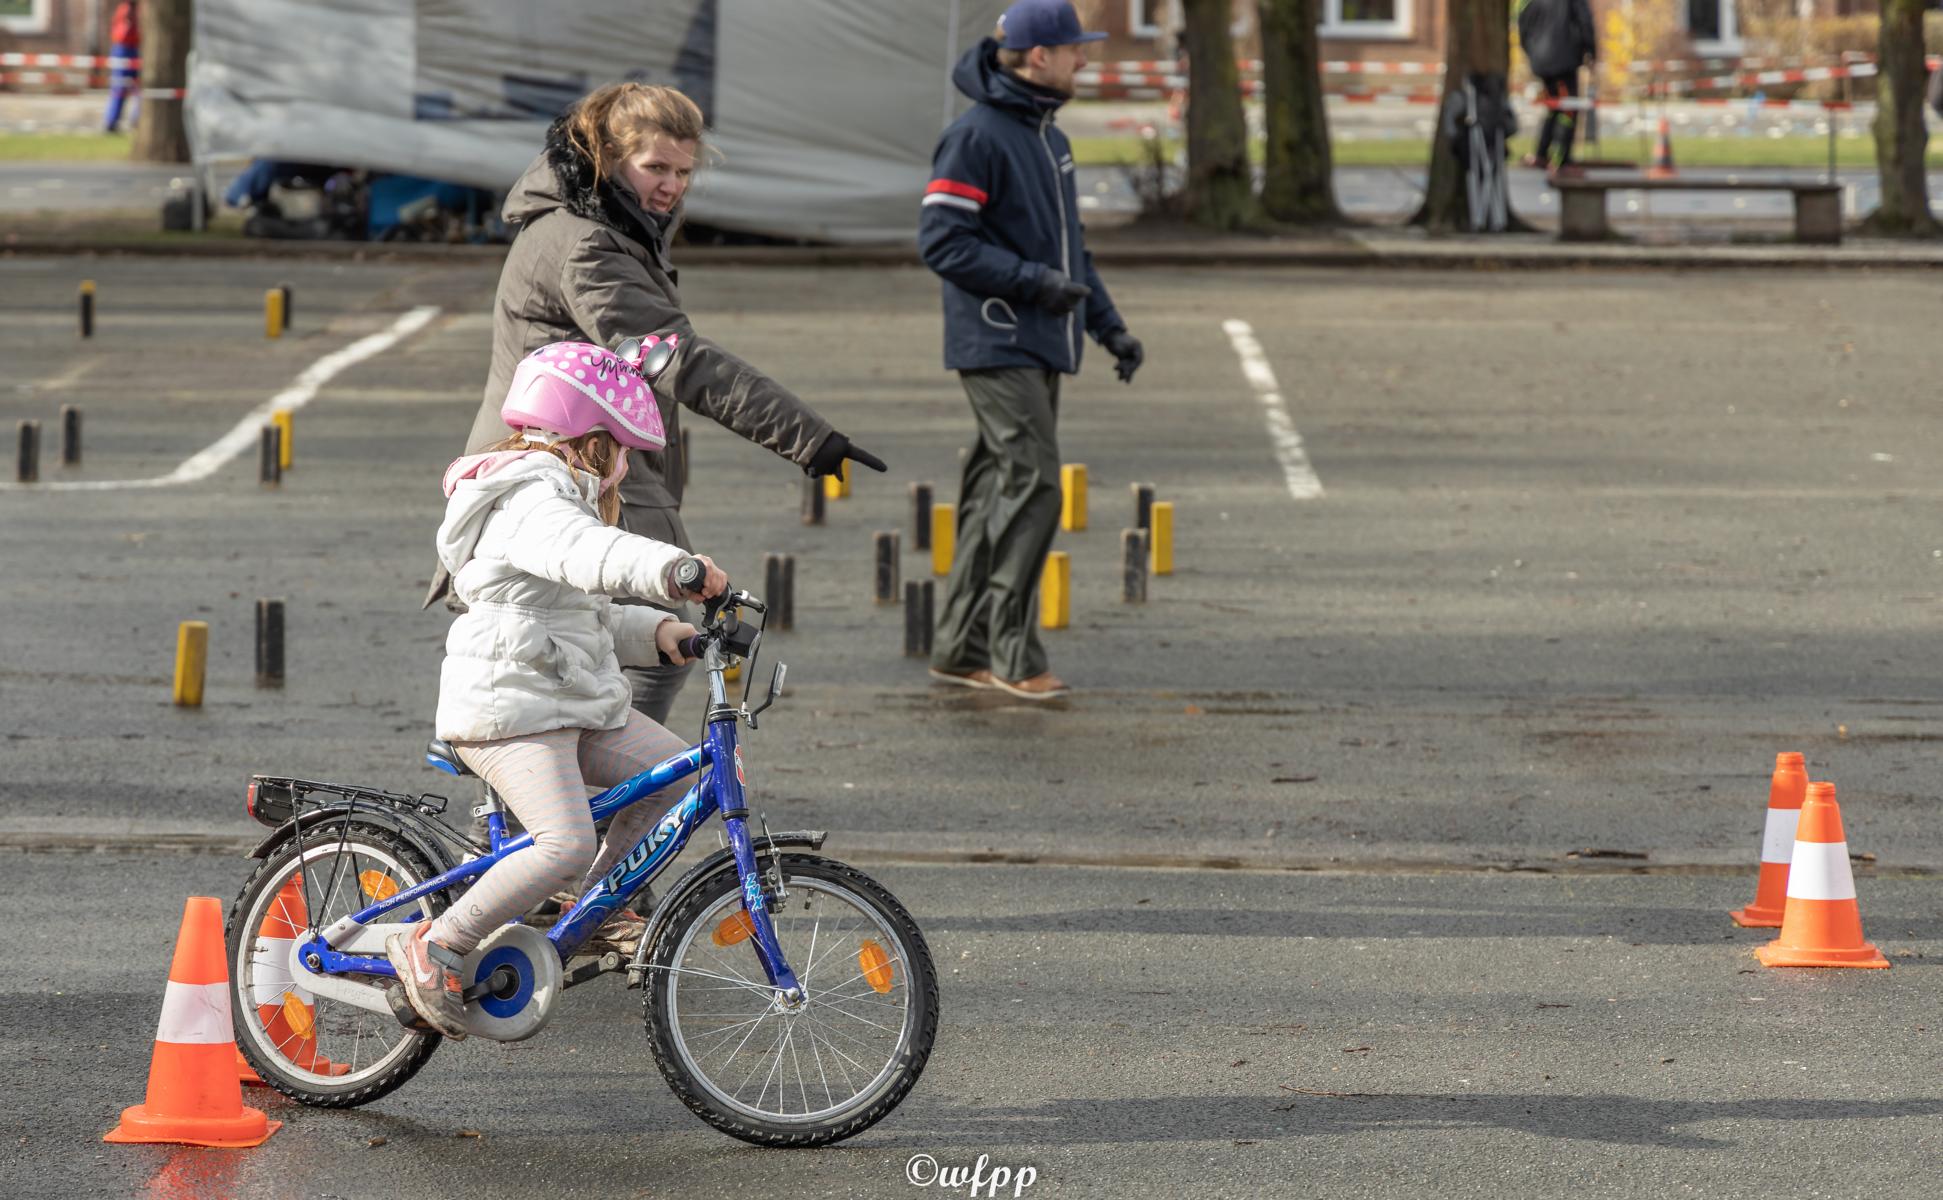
441, 755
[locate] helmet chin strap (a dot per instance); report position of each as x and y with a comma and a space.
540, 436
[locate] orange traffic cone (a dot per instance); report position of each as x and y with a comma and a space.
288, 1013
193, 1095
1662, 167
1786, 790
1823, 925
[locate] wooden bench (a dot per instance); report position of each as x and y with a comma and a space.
1582, 202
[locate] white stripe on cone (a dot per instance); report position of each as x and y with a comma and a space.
1821, 872
1778, 843
195, 1014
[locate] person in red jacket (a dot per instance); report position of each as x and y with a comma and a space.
125, 33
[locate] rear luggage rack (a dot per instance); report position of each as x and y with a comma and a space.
273, 799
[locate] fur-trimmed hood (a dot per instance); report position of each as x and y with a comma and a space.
562, 177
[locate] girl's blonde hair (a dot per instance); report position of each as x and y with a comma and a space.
612, 123
596, 452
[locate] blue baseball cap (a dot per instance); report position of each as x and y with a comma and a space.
1030, 23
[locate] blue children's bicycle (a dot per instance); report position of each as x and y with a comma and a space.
791, 999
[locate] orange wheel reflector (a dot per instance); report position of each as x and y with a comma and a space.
301, 1018
378, 885
736, 927
876, 965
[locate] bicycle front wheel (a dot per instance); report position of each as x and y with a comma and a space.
825, 1069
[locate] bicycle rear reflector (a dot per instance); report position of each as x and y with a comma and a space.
299, 1016
378, 885
876, 965
734, 928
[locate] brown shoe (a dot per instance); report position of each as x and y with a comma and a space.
980, 678
1043, 686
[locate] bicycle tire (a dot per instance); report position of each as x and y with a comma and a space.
271, 875
861, 1111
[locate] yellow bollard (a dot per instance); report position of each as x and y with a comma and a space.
1163, 537
837, 487
1056, 591
733, 673
191, 654
1072, 491
944, 531
282, 419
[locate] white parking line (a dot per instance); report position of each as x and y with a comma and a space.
247, 431
1300, 476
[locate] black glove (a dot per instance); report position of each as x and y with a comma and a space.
1058, 294
835, 448
1126, 348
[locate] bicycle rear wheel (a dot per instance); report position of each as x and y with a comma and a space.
320, 1051
836, 1063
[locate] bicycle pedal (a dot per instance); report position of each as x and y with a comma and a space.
403, 1010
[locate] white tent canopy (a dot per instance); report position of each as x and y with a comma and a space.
823, 112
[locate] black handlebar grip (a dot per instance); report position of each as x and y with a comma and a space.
689, 574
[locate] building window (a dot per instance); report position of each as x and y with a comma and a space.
1714, 26
25, 16
1162, 18
1365, 18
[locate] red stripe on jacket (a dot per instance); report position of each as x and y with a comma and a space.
954, 188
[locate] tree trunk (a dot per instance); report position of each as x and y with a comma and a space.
159, 135
1900, 136
1478, 41
1299, 186
1220, 186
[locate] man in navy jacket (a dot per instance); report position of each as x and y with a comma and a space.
1000, 225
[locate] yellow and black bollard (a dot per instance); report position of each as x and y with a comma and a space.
191, 657
944, 531
282, 419
1163, 537
1072, 497
1056, 591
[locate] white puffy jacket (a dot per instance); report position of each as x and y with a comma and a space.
542, 645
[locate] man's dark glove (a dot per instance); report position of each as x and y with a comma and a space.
1058, 294
835, 448
1124, 347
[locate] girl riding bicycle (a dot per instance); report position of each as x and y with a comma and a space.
531, 693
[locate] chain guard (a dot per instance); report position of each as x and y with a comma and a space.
514, 1013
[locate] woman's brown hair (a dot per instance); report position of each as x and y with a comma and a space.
611, 123
595, 452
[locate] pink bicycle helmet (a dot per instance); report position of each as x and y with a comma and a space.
572, 388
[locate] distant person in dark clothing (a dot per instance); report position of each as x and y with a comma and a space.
125, 35
1558, 38
1000, 225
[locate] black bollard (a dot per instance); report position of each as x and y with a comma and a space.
786, 611
270, 458
886, 553
269, 643
927, 600
289, 314
812, 501
1143, 507
70, 436
1133, 566
772, 580
684, 458
28, 469
87, 308
913, 621
920, 516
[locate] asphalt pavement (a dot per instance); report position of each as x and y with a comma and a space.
1490, 718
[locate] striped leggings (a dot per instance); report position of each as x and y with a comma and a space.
544, 779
